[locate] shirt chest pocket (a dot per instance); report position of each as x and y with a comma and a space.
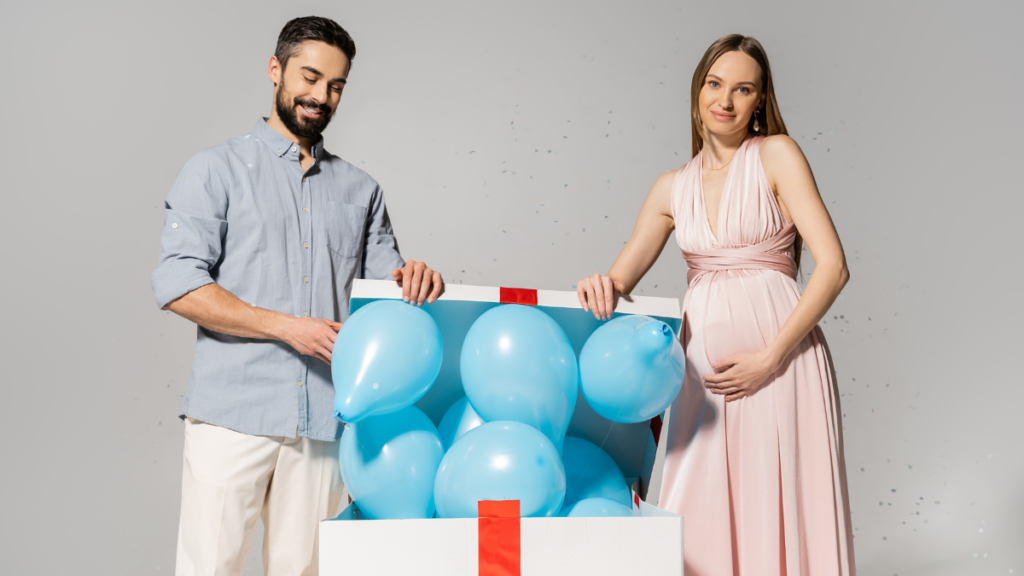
346, 228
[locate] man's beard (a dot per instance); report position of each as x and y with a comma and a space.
302, 127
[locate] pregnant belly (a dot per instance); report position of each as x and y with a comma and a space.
736, 312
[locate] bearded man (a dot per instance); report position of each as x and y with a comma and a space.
263, 237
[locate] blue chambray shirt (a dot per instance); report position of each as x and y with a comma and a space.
244, 215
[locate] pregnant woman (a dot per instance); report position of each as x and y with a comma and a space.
754, 462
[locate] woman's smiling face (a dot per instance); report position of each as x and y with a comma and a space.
730, 94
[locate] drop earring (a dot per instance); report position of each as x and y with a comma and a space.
757, 126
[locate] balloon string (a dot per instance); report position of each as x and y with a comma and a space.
601, 446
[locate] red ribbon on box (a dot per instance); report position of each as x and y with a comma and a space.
498, 537
518, 296
656, 429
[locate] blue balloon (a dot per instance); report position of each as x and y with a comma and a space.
591, 473
500, 461
458, 420
386, 356
517, 364
389, 462
631, 368
599, 507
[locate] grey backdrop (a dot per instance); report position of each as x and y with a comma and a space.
515, 142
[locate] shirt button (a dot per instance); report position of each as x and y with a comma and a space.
175, 225
305, 245
303, 178
293, 148
305, 209
300, 383
278, 150
306, 279
305, 315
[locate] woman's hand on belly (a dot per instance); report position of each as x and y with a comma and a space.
743, 374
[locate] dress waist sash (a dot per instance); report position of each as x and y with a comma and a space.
772, 254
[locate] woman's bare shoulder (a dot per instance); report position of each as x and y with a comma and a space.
780, 148
662, 187
659, 198
664, 181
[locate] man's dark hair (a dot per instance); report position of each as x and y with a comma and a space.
315, 28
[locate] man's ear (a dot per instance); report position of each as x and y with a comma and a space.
274, 70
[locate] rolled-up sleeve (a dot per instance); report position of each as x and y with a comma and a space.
194, 228
381, 255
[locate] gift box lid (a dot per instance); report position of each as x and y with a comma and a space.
630, 445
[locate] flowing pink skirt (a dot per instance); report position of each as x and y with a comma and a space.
761, 481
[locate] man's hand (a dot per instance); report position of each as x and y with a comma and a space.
214, 308
310, 336
419, 283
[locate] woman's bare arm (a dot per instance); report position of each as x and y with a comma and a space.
652, 229
790, 175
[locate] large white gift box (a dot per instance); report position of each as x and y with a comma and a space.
648, 543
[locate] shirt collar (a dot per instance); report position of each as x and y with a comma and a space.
280, 145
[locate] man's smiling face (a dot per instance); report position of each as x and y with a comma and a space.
309, 87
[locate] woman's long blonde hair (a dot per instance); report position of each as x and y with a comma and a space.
768, 116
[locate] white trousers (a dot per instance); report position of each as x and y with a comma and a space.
231, 479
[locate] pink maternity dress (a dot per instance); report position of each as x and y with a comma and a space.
760, 482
